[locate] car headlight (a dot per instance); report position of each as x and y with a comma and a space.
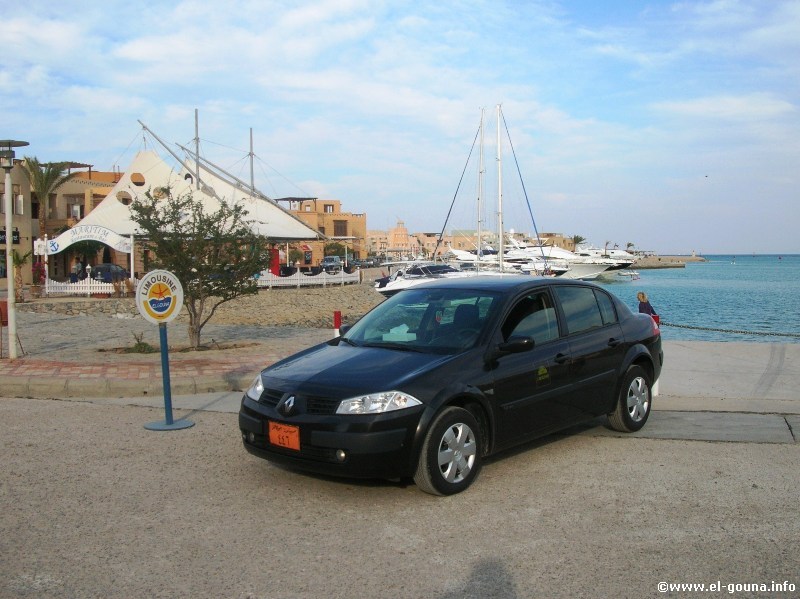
377, 403
256, 389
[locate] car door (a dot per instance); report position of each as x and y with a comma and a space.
596, 348
529, 387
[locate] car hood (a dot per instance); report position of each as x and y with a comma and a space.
343, 370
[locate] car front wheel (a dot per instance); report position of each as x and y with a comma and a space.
450, 457
634, 402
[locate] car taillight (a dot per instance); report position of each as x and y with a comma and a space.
656, 330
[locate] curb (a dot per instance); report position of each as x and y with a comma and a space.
43, 388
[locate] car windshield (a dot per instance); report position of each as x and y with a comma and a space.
427, 320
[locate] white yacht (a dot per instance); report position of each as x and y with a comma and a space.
579, 267
413, 273
621, 258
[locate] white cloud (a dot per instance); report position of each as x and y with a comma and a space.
752, 107
376, 103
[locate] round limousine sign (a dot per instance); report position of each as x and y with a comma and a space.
159, 296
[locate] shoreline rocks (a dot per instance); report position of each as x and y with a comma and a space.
650, 262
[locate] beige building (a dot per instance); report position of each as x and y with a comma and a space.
65, 208
346, 228
22, 231
395, 244
62, 210
398, 244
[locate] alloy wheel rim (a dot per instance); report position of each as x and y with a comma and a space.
457, 452
638, 399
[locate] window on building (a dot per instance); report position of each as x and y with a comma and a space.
328, 208
340, 228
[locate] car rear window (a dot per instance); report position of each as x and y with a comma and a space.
580, 307
607, 310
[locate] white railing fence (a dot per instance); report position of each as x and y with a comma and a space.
265, 280
89, 287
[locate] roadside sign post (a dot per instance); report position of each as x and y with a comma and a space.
159, 298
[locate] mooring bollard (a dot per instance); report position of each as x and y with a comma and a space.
337, 322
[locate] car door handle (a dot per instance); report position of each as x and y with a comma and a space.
561, 358
614, 342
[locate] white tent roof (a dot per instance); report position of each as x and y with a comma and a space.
148, 172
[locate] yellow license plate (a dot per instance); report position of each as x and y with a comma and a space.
284, 435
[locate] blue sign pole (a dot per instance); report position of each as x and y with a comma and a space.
162, 333
169, 424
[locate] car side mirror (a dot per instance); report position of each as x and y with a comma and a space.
514, 345
343, 329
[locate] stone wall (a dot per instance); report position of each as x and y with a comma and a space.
119, 307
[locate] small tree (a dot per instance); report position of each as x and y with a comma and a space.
578, 239
213, 254
295, 256
334, 249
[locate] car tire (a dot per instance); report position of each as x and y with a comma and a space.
450, 458
634, 402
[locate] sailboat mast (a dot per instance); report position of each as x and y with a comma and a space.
501, 249
480, 197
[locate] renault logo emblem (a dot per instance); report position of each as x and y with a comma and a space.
286, 407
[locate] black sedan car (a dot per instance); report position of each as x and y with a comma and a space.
441, 375
108, 273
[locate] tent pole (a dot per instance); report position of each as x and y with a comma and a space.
197, 150
133, 254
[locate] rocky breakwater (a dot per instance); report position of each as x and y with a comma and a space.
647, 262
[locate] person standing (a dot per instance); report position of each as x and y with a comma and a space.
645, 307
76, 271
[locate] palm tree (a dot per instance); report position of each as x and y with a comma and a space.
578, 239
18, 261
45, 179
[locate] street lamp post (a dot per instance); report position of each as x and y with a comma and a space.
7, 158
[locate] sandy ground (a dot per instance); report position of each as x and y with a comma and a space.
94, 505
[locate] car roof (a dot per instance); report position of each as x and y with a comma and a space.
503, 283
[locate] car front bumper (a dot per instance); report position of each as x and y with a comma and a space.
364, 446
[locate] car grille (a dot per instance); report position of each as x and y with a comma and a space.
318, 406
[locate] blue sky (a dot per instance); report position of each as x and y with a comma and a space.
674, 126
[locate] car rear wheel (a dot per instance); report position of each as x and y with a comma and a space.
634, 402
450, 457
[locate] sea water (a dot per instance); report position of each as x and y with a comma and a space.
754, 298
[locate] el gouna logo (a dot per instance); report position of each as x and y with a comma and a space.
159, 296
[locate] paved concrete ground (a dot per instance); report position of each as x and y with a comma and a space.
94, 505
707, 391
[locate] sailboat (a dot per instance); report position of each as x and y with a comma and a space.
537, 258
419, 272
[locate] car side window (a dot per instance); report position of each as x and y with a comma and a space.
580, 308
607, 310
533, 316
